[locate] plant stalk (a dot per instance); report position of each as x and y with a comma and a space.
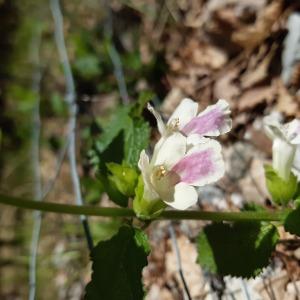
127, 212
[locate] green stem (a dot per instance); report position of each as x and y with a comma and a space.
127, 212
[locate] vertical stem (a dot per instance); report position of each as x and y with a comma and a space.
36, 125
178, 258
71, 101
115, 57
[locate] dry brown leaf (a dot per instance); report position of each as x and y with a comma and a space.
259, 139
191, 269
249, 37
286, 103
171, 101
198, 53
251, 98
278, 282
258, 73
226, 88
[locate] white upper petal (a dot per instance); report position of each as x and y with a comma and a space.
160, 123
283, 157
296, 163
203, 164
213, 121
185, 196
272, 127
185, 111
171, 150
194, 140
144, 166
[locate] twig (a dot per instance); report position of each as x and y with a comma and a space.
35, 149
59, 163
37, 225
178, 259
71, 101
115, 58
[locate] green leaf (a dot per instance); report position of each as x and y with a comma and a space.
105, 229
92, 189
124, 177
223, 248
113, 128
112, 191
292, 220
281, 191
138, 106
117, 267
137, 135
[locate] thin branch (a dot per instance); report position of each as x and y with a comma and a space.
115, 57
71, 101
118, 71
178, 259
35, 154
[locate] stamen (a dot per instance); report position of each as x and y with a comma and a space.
174, 124
160, 171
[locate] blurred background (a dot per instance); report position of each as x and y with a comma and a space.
247, 52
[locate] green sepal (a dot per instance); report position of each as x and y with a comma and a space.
281, 191
117, 266
124, 177
241, 249
143, 208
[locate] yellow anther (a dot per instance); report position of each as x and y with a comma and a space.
174, 124
160, 171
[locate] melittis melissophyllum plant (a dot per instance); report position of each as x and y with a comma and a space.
162, 183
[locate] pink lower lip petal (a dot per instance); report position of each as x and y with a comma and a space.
195, 166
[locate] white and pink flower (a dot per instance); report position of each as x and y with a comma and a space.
184, 158
286, 140
213, 121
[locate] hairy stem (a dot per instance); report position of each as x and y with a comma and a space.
127, 212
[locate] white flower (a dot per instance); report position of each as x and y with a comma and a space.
286, 138
177, 167
213, 121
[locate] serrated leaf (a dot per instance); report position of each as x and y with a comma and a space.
292, 221
137, 135
282, 191
117, 267
241, 249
